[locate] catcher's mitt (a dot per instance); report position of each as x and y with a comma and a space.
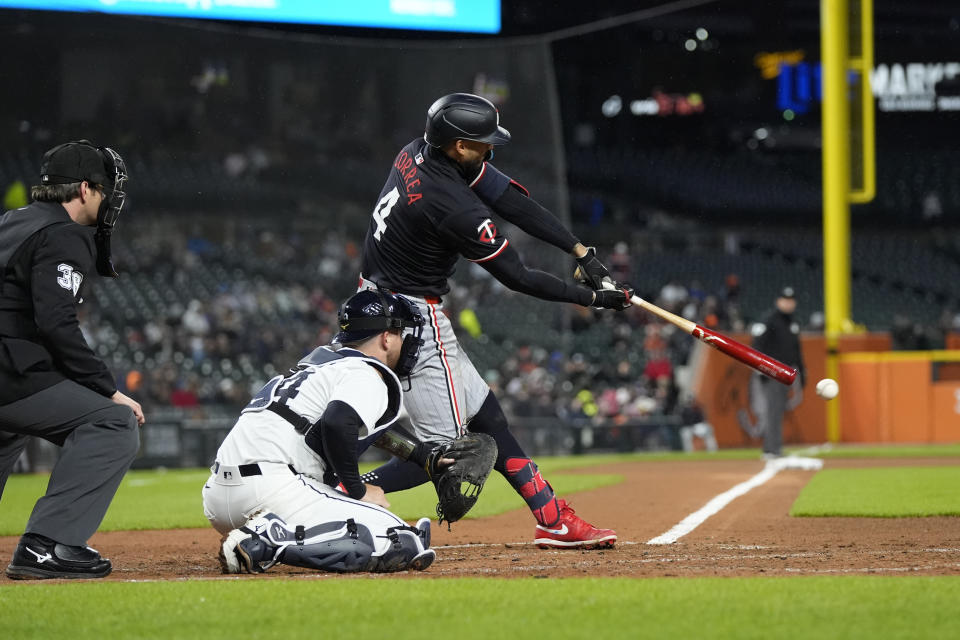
459, 484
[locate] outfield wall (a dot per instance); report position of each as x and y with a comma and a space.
885, 396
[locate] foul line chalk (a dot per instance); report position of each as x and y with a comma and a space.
698, 517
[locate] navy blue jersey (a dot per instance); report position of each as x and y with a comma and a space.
428, 215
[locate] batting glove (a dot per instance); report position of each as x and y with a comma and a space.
618, 299
591, 271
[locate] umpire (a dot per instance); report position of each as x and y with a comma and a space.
777, 335
52, 385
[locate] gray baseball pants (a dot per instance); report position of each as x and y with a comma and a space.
446, 389
98, 439
769, 399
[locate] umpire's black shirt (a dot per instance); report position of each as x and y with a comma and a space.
46, 259
780, 338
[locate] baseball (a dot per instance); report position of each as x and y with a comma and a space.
828, 388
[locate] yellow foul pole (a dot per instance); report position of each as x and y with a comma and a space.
834, 27
837, 194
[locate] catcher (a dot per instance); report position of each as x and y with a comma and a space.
285, 487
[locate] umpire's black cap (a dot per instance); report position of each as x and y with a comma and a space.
787, 292
73, 162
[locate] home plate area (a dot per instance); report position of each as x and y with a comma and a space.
750, 534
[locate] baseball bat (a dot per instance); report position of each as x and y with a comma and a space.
749, 356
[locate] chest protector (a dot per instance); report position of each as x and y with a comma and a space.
269, 398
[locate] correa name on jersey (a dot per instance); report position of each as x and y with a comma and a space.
405, 165
413, 242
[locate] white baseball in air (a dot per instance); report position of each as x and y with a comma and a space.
828, 388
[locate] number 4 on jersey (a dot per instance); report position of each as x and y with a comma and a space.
382, 210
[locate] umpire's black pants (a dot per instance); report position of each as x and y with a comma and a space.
99, 440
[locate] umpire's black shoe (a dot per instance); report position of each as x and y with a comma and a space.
38, 558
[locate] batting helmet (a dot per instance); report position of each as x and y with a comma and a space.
368, 312
464, 116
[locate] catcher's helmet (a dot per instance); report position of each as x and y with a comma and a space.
464, 116
367, 313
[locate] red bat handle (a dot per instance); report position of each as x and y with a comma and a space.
750, 357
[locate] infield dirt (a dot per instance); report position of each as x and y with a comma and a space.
752, 536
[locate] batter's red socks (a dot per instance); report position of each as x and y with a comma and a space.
524, 476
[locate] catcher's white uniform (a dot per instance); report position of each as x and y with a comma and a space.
265, 465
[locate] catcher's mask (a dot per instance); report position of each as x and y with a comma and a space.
80, 161
368, 312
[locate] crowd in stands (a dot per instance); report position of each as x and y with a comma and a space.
204, 316
201, 317
206, 311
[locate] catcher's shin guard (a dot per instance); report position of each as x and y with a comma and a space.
340, 546
524, 476
407, 549
352, 551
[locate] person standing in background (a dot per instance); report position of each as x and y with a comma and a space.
777, 335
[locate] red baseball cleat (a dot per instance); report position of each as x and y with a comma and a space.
572, 532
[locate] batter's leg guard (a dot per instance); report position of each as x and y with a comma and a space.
524, 476
406, 549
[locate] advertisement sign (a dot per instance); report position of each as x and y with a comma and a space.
478, 16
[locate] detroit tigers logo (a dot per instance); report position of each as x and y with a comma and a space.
70, 278
488, 231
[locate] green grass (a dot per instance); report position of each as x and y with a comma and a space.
881, 492
891, 451
467, 608
171, 499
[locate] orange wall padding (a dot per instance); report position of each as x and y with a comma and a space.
882, 398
